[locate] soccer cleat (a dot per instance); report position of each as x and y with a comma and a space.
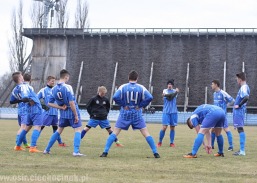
219, 155
159, 144
230, 149
156, 155
18, 148
34, 150
26, 145
62, 145
104, 154
46, 152
172, 145
118, 144
239, 153
190, 155
78, 154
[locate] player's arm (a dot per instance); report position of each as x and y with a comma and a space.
108, 106
147, 98
89, 107
117, 97
73, 108
243, 101
228, 99
51, 103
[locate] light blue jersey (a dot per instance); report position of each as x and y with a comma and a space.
170, 106
133, 96
243, 92
62, 94
221, 99
45, 94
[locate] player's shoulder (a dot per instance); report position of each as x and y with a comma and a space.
141, 86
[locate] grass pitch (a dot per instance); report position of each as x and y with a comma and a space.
132, 163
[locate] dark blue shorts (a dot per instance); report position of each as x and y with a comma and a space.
23, 119
49, 120
238, 117
102, 123
69, 122
170, 119
136, 125
35, 120
214, 119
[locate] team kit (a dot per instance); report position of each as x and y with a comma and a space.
37, 110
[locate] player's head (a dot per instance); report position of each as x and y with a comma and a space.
17, 77
215, 84
240, 77
189, 123
170, 84
133, 76
101, 91
64, 75
50, 81
27, 77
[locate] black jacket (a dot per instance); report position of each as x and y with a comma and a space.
98, 107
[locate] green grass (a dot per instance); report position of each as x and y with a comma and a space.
130, 163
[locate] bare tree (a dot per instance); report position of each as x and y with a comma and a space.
62, 15
36, 14
17, 43
81, 15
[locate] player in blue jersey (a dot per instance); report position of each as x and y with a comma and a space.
50, 114
34, 118
131, 97
170, 112
203, 119
22, 108
63, 98
221, 99
98, 108
239, 111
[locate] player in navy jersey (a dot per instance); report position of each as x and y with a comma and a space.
170, 112
50, 114
63, 98
239, 110
22, 109
98, 108
203, 119
131, 97
221, 99
32, 105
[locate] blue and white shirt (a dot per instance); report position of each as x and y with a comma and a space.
169, 106
221, 99
132, 95
45, 94
243, 92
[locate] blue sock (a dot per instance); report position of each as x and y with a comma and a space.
52, 140
220, 142
115, 139
172, 136
17, 138
198, 142
21, 137
59, 139
230, 138
34, 137
83, 133
77, 139
25, 139
212, 139
162, 134
109, 142
242, 141
151, 143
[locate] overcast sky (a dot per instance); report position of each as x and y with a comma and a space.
146, 14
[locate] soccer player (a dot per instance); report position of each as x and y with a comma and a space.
132, 97
22, 108
221, 99
239, 110
34, 118
50, 114
170, 112
203, 119
63, 98
98, 108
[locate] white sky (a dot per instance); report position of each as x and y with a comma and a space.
145, 14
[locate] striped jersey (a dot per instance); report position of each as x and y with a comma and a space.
45, 94
62, 94
221, 99
132, 95
169, 106
243, 92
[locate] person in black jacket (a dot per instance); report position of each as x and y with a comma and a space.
98, 108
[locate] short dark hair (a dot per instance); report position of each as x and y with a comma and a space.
217, 82
171, 82
133, 75
27, 77
241, 75
50, 77
15, 76
64, 73
189, 124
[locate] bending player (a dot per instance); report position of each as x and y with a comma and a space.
98, 108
